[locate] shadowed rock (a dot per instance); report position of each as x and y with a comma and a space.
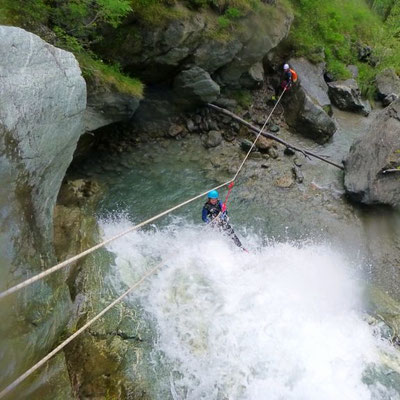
370, 155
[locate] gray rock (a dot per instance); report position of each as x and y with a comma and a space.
309, 118
298, 175
285, 181
390, 98
353, 70
195, 86
214, 139
190, 125
311, 80
370, 154
211, 55
346, 95
246, 145
258, 44
175, 130
273, 128
273, 153
230, 104
289, 151
254, 78
42, 103
387, 82
105, 108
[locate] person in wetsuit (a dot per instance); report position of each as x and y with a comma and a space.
214, 213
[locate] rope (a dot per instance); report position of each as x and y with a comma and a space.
259, 134
31, 370
55, 268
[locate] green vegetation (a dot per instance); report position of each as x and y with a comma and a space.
333, 31
76, 25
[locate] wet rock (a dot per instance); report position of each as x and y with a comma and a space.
387, 83
289, 151
265, 166
42, 104
254, 78
285, 181
298, 175
298, 162
190, 125
195, 86
264, 144
213, 139
273, 128
175, 130
223, 102
246, 145
228, 136
255, 155
372, 153
308, 118
273, 153
346, 95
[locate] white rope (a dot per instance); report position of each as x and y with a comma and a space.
31, 370
55, 268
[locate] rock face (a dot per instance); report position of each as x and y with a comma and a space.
158, 54
307, 103
255, 47
42, 102
387, 83
195, 85
370, 155
107, 107
346, 95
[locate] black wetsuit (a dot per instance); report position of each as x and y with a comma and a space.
209, 215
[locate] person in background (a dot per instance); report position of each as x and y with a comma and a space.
289, 77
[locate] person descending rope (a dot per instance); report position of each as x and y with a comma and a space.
215, 214
289, 77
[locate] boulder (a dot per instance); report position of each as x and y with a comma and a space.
254, 78
370, 155
346, 95
42, 103
264, 144
387, 83
195, 86
213, 139
311, 80
107, 107
309, 118
175, 130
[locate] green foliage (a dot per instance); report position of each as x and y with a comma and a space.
332, 30
24, 13
109, 75
243, 97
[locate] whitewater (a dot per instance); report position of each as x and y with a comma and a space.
285, 321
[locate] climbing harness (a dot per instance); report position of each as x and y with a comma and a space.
55, 268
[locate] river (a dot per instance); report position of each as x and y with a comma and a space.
289, 320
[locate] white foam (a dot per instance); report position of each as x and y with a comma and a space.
282, 322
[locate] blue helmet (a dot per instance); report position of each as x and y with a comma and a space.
213, 194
